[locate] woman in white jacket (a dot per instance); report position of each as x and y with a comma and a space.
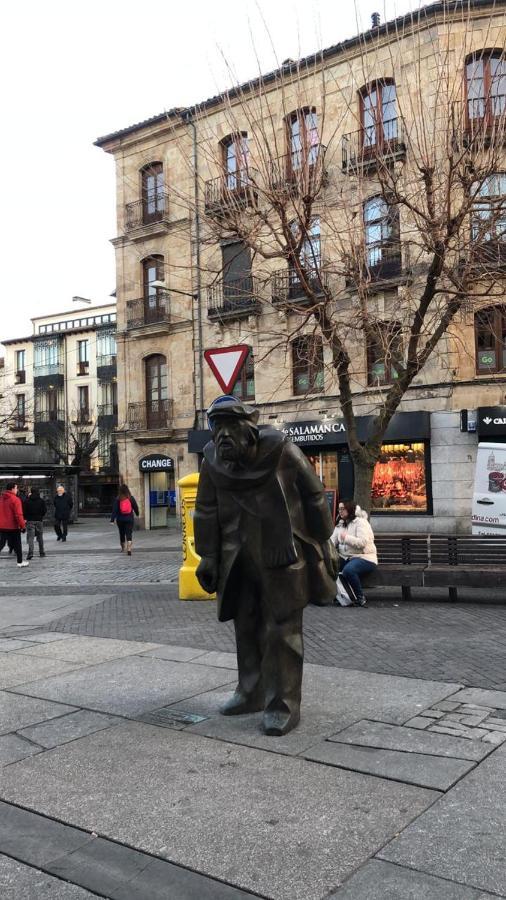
354, 538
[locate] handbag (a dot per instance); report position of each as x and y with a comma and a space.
345, 595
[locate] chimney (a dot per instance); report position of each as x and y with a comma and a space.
375, 20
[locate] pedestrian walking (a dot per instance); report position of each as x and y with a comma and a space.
34, 510
62, 508
12, 520
354, 539
123, 510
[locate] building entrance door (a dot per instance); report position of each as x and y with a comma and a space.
161, 498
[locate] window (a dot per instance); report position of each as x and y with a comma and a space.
309, 257
49, 405
235, 160
381, 233
108, 398
152, 270
20, 416
237, 280
489, 209
303, 139
486, 87
382, 351
379, 115
83, 403
156, 391
20, 366
490, 334
400, 479
21, 440
47, 357
106, 348
82, 357
244, 388
104, 449
307, 365
153, 195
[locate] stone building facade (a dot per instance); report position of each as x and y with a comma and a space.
186, 283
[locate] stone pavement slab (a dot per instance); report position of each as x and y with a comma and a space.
462, 837
18, 712
125, 687
14, 748
86, 650
410, 740
68, 728
282, 827
331, 700
49, 637
436, 772
16, 669
20, 882
383, 881
177, 654
479, 697
8, 644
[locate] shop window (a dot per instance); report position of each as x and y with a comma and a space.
490, 334
486, 87
400, 479
153, 195
244, 388
307, 365
383, 348
378, 106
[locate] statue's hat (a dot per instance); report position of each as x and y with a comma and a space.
232, 408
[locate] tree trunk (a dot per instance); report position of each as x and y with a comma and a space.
364, 471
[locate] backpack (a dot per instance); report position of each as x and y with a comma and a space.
345, 595
125, 506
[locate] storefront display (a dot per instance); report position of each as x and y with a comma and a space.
400, 479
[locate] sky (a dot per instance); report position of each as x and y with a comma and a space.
71, 72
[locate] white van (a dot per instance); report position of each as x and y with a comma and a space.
489, 497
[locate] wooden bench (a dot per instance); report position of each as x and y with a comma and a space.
439, 560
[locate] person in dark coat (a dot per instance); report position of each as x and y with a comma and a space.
35, 509
63, 504
12, 520
262, 527
123, 510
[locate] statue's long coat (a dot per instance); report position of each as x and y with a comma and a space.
274, 511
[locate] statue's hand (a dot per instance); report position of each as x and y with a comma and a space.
207, 574
330, 558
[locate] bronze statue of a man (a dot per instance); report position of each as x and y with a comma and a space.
262, 528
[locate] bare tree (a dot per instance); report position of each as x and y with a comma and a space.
402, 177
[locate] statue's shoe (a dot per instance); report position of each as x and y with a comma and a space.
240, 704
278, 722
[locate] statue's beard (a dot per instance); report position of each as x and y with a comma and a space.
232, 452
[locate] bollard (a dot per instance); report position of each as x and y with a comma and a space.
189, 588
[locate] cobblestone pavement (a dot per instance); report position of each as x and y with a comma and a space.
92, 568
446, 642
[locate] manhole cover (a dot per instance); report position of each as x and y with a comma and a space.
171, 718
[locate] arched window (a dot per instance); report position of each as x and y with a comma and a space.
490, 336
235, 160
486, 86
303, 139
153, 194
381, 235
378, 108
153, 296
156, 391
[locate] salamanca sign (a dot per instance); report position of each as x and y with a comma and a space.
314, 432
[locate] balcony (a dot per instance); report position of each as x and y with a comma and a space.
18, 423
20, 376
83, 417
481, 122
230, 192
146, 212
150, 416
106, 367
229, 300
489, 256
365, 149
153, 310
107, 415
48, 373
383, 265
83, 368
288, 289
301, 172
49, 416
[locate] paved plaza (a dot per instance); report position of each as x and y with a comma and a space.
119, 778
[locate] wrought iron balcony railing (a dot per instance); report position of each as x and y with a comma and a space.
382, 142
151, 415
46, 416
383, 262
235, 299
21, 376
18, 423
480, 122
300, 172
288, 288
106, 360
82, 417
146, 212
107, 409
150, 310
232, 190
42, 370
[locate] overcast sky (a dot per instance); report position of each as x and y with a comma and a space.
71, 72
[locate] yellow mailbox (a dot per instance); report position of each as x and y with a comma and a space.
189, 588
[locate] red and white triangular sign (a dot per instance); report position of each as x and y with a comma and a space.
226, 363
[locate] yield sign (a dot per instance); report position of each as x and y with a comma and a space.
226, 363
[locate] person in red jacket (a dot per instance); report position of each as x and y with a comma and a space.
12, 520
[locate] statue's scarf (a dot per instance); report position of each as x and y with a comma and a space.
257, 489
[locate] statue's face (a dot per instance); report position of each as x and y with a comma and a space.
232, 438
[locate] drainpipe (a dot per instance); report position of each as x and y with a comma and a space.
187, 117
